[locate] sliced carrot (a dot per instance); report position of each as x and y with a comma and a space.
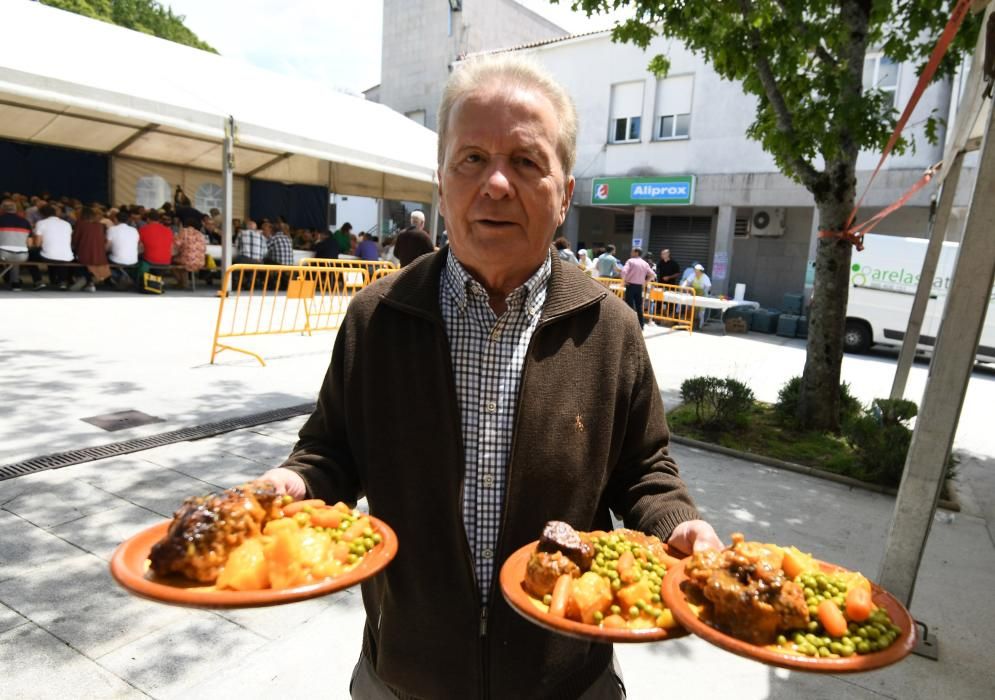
297, 506
326, 516
832, 619
561, 594
626, 567
858, 604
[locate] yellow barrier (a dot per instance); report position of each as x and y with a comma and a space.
669, 303
283, 299
662, 303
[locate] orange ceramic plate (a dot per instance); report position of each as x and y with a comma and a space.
130, 568
674, 597
512, 576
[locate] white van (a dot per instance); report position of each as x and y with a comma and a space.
883, 280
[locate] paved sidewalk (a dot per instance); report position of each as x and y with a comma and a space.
67, 631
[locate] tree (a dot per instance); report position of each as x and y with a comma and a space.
146, 16
803, 61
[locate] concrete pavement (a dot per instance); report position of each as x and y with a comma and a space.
67, 631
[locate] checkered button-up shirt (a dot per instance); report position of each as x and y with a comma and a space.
488, 354
280, 249
251, 244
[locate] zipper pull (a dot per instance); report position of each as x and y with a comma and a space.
483, 621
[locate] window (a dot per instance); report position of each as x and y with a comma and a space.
208, 196
417, 115
881, 73
673, 107
152, 191
626, 113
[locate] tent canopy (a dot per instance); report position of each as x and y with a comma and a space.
67, 80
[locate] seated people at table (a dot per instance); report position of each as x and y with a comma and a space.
191, 251
279, 247
14, 232
250, 245
344, 238
52, 242
90, 243
413, 241
668, 271
157, 241
607, 264
122, 247
327, 247
367, 249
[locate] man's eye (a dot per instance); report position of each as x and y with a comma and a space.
527, 163
473, 158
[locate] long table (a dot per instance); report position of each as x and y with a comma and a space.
214, 251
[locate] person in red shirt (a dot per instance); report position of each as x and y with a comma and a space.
156, 241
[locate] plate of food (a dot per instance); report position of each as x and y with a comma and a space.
249, 546
783, 607
600, 586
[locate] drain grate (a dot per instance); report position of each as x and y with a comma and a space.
115, 449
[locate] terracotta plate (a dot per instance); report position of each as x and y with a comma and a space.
130, 568
673, 596
512, 576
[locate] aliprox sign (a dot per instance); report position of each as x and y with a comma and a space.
642, 191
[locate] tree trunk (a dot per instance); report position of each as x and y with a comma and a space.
819, 398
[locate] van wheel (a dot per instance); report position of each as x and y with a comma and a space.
856, 337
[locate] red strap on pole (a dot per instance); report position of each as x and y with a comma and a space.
855, 234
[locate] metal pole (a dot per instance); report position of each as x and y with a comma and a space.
949, 373
227, 164
938, 228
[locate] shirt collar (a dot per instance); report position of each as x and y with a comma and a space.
460, 286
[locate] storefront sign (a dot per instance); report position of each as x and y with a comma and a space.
676, 190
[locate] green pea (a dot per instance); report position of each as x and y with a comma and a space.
598, 616
863, 647
655, 597
824, 652
616, 610
847, 652
799, 638
813, 626
781, 640
633, 611
547, 599
836, 647
812, 639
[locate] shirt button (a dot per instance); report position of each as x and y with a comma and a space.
487, 554
488, 480
491, 407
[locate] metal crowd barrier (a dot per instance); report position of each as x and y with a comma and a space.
284, 299
662, 303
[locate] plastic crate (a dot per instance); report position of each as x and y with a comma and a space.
802, 331
743, 312
765, 320
793, 304
787, 325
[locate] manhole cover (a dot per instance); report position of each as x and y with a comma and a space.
121, 420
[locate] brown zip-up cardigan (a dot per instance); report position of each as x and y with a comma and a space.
590, 435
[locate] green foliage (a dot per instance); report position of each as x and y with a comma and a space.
803, 61
146, 16
881, 437
718, 403
786, 407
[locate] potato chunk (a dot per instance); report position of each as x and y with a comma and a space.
589, 594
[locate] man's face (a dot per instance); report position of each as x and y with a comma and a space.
665, 255
502, 188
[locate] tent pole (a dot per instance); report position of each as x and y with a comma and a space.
949, 373
938, 229
227, 163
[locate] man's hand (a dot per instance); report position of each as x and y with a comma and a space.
693, 536
286, 481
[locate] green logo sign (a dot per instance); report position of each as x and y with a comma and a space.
656, 191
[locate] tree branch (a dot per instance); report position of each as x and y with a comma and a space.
821, 51
805, 171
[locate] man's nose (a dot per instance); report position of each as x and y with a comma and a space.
497, 179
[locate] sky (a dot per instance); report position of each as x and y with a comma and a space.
334, 42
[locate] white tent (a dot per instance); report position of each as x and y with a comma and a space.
70, 81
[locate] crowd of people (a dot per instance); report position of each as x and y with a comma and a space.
79, 246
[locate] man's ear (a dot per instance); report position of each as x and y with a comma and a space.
442, 200
568, 192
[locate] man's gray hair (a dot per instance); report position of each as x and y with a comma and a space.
511, 71
418, 214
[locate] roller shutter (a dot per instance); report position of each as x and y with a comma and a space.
689, 238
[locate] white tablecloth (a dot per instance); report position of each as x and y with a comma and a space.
707, 302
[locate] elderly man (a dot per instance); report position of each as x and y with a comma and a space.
413, 241
668, 271
490, 435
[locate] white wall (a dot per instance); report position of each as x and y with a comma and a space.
361, 212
